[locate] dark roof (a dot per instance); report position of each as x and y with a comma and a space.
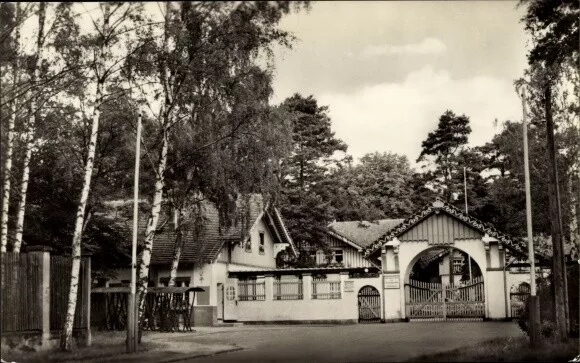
363, 233
201, 247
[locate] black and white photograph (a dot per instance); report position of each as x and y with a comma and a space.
290, 181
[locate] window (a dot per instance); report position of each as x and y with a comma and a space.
230, 293
457, 265
288, 289
337, 256
251, 289
262, 249
249, 244
325, 289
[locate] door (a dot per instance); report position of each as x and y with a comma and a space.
230, 301
220, 302
369, 305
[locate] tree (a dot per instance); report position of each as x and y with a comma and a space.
441, 151
554, 28
102, 66
211, 89
505, 179
10, 19
30, 128
380, 186
305, 206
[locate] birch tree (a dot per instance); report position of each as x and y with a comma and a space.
7, 176
207, 50
102, 67
30, 128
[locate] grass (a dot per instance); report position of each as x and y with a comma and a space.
105, 344
507, 350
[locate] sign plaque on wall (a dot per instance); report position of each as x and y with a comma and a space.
392, 282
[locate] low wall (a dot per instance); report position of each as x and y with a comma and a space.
204, 315
306, 310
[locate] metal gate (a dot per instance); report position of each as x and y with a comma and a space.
518, 296
369, 305
435, 301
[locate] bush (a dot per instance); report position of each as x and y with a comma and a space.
545, 295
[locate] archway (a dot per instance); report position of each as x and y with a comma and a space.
369, 305
443, 283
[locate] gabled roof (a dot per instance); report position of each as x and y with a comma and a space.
440, 206
361, 234
204, 246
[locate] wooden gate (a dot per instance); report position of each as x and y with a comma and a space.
435, 301
518, 296
369, 305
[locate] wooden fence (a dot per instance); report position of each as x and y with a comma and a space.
21, 292
252, 290
288, 290
324, 289
60, 267
35, 288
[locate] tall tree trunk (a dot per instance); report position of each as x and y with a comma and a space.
574, 192
66, 337
30, 126
10, 142
177, 248
165, 77
152, 221
558, 270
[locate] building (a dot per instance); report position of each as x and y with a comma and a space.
373, 273
251, 243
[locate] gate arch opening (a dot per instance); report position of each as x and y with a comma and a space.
443, 283
369, 305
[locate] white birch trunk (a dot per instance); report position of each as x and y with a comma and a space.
6, 184
30, 127
177, 248
160, 177
9, 146
66, 337
152, 222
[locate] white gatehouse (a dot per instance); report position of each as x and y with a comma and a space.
439, 264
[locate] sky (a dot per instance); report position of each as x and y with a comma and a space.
388, 70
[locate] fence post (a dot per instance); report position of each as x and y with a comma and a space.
269, 287
343, 278
307, 286
87, 298
43, 255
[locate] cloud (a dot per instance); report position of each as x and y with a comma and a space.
426, 46
398, 116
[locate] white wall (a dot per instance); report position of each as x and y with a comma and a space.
255, 258
345, 308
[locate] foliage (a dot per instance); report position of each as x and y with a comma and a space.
305, 204
441, 150
379, 186
546, 301
555, 28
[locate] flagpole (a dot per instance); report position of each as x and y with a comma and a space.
465, 189
132, 305
534, 302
